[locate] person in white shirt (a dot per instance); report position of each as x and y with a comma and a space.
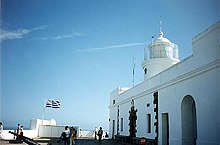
67, 137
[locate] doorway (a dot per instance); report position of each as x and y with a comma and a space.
113, 129
189, 121
165, 129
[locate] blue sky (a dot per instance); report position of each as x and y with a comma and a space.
78, 51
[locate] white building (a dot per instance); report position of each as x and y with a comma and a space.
178, 103
42, 128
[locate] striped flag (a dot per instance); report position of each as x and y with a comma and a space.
49, 103
53, 103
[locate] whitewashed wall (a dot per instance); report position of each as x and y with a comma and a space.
143, 110
53, 131
198, 76
87, 134
27, 133
124, 113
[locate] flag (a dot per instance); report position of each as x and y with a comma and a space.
52, 103
49, 103
55, 104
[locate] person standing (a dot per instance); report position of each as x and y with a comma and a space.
100, 132
73, 137
71, 132
67, 137
1, 130
18, 132
96, 131
21, 131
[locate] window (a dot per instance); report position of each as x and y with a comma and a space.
113, 101
113, 128
121, 124
148, 123
145, 71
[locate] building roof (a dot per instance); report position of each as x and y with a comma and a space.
161, 39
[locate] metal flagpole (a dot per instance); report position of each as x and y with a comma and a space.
44, 106
133, 69
43, 113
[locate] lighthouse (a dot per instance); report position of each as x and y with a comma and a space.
162, 54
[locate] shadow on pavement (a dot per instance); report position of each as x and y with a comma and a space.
85, 142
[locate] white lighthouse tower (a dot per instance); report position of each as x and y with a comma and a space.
162, 54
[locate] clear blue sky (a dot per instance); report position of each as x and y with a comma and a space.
78, 51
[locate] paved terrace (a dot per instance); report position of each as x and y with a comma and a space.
53, 141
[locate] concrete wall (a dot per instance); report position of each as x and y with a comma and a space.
35, 123
87, 134
53, 131
204, 89
197, 76
28, 133
40, 128
47, 128
47, 131
113, 118
124, 113
143, 109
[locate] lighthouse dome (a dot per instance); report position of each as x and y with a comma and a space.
160, 55
161, 39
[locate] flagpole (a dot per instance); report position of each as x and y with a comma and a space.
43, 113
133, 70
43, 110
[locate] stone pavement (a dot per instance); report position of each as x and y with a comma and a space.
78, 142
90, 142
94, 142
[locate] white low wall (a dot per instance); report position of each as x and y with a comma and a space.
48, 131
53, 131
28, 133
87, 134
40, 128
91, 134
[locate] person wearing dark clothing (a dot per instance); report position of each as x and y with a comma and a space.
73, 137
96, 132
66, 136
21, 131
100, 132
106, 134
1, 130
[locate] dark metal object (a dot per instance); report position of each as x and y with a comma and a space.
25, 139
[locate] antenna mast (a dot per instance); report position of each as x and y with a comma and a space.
161, 24
133, 59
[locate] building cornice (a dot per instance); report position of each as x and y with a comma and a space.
178, 79
206, 32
